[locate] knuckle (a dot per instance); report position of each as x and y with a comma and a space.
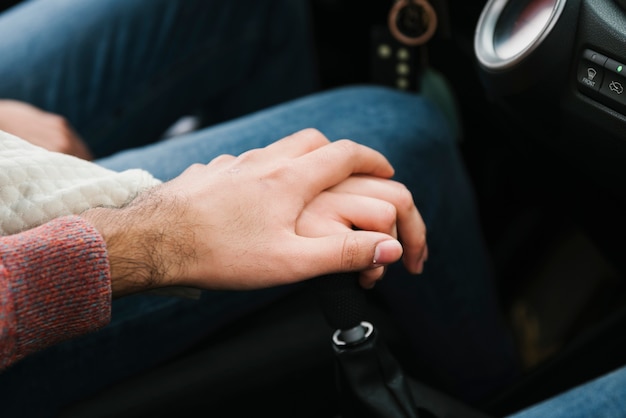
350, 253
388, 214
405, 198
313, 132
222, 158
195, 168
248, 156
313, 136
347, 145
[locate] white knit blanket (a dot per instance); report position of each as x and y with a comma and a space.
37, 185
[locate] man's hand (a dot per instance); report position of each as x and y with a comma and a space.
47, 130
270, 216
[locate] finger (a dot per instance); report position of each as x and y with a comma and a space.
296, 144
345, 211
368, 278
366, 213
338, 160
411, 226
353, 251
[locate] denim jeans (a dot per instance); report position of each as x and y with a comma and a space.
122, 71
603, 397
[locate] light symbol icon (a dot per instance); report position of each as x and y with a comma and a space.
591, 73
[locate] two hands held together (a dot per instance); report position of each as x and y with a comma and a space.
297, 209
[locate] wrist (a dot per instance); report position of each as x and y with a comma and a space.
149, 245
132, 265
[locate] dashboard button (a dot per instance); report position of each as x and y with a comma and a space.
591, 69
616, 67
594, 57
614, 87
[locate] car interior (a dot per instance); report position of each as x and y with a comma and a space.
538, 88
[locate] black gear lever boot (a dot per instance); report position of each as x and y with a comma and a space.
370, 380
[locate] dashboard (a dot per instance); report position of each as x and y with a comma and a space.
560, 67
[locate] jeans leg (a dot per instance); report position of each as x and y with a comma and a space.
122, 71
603, 397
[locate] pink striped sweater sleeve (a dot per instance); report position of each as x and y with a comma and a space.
54, 285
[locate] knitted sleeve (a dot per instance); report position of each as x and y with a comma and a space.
54, 285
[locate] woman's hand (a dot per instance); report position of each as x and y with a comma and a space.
370, 203
47, 130
258, 220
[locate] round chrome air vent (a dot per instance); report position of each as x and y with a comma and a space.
510, 30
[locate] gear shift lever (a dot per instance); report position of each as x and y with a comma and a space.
371, 382
344, 306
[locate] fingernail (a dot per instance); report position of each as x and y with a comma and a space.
387, 252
